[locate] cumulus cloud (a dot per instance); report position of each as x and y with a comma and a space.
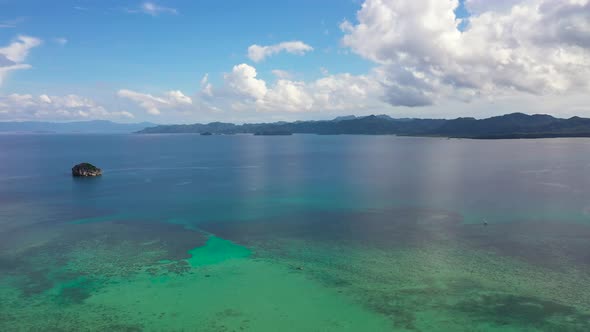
13, 55
530, 46
342, 92
510, 50
45, 107
421, 58
258, 53
242, 81
173, 100
244, 90
286, 95
348, 92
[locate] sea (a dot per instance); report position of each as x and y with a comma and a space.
294, 233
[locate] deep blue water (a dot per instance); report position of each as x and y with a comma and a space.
196, 177
308, 200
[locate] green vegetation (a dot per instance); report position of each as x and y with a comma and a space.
516, 125
89, 166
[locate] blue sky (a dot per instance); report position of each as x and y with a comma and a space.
108, 45
147, 60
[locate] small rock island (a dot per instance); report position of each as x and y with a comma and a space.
86, 170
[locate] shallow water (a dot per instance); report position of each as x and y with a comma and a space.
298, 233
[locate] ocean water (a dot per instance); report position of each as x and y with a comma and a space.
294, 233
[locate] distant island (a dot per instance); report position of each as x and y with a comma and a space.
76, 127
515, 125
509, 126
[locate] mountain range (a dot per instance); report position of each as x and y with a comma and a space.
515, 125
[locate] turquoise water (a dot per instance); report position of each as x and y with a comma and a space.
297, 233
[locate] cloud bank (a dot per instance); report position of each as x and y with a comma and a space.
329, 93
421, 58
153, 105
44, 107
521, 51
538, 47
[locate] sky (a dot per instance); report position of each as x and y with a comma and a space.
173, 61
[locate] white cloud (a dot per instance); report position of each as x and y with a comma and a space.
513, 52
286, 95
511, 47
45, 107
282, 74
61, 41
18, 50
45, 99
153, 9
206, 87
242, 81
343, 92
347, 92
13, 55
173, 100
536, 47
258, 53
243, 90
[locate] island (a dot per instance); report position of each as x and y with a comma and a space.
509, 126
86, 170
